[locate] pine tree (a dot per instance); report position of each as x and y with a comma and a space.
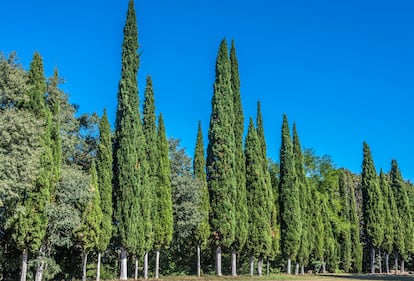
305, 200
405, 224
373, 209
163, 224
240, 168
202, 232
104, 172
260, 239
291, 223
220, 158
389, 225
132, 194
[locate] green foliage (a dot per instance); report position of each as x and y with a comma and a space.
291, 223
220, 154
259, 241
202, 232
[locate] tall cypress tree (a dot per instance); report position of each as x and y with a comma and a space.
202, 232
220, 158
260, 239
373, 209
405, 227
305, 199
389, 224
240, 168
291, 223
132, 201
270, 202
163, 224
104, 172
345, 231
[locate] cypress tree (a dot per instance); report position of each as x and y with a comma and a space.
372, 205
260, 240
132, 195
240, 168
357, 250
104, 172
291, 223
202, 232
405, 227
270, 202
389, 224
345, 231
305, 199
163, 225
220, 158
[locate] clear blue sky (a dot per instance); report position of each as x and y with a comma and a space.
343, 70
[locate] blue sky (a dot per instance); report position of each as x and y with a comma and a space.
343, 70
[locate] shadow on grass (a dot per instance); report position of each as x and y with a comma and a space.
373, 277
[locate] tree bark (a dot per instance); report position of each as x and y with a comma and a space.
251, 265
218, 261
324, 267
146, 266
234, 262
260, 266
39, 270
98, 267
289, 263
267, 266
198, 260
372, 261
24, 266
402, 266
396, 266
136, 267
85, 262
123, 275
157, 263
297, 268
302, 270
380, 261
387, 263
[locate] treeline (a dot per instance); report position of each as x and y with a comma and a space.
78, 200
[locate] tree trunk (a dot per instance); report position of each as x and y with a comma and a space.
324, 267
98, 267
39, 270
267, 266
302, 270
146, 266
85, 262
24, 266
289, 263
234, 262
380, 261
297, 268
218, 261
157, 264
251, 265
123, 274
387, 263
260, 265
198, 260
396, 265
136, 267
372, 261
402, 266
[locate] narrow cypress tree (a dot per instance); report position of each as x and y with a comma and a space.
389, 224
220, 158
291, 223
345, 231
305, 199
163, 225
240, 168
104, 172
373, 209
270, 202
357, 250
202, 232
132, 201
260, 239
405, 227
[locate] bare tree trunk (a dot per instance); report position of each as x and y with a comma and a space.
289, 264
136, 268
39, 270
402, 266
157, 264
302, 270
324, 267
387, 263
234, 262
198, 260
297, 268
251, 265
123, 274
267, 266
260, 265
98, 267
372, 261
218, 261
85, 262
396, 265
146, 266
24, 265
380, 261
